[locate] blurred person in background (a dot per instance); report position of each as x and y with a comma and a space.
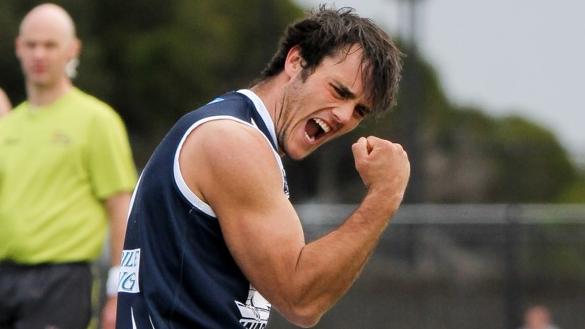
212, 239
65, 168
538, 317
5, 105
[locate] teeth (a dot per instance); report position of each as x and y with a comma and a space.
311, 139
323, 125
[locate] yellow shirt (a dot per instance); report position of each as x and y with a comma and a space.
57, 165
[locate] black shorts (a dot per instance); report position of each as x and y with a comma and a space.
45, 296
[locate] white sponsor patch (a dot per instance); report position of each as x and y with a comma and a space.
129, 271
255, 312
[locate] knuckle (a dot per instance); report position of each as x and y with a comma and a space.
373, 139
390, 146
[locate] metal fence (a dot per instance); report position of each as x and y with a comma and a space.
462, 266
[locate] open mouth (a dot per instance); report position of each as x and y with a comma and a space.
315, 129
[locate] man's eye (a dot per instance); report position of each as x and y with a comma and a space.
361, 111
340, 93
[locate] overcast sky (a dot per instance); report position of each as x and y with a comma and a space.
520, 56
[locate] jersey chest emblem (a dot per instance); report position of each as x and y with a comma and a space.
255, 312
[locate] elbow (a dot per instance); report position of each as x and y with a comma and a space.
304, 316
303, 320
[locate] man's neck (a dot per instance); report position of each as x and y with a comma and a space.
45, 95
271, 92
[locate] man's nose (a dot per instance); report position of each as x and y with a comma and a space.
38, 52
343, 113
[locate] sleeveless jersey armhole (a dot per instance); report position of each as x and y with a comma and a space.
178, 176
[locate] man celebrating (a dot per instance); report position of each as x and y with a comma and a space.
65, 167
212, 240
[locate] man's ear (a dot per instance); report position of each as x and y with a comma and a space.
75, 49
294, 62
17, 46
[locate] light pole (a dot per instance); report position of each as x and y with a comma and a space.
411, 99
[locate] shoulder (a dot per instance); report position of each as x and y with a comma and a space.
229, 139
13, 117
231, 154
92, 106
96, 114
231, 104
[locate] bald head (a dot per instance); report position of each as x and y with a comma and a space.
45, 44
49, 16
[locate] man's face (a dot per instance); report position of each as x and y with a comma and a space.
44, 47
328, 104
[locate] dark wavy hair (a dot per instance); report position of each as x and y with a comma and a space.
328, 31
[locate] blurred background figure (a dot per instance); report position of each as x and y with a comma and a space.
538, 317
65, 169
5, 104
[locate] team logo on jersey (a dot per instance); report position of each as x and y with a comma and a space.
60, 138
129, 271
255, 312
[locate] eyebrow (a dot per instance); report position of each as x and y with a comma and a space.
343, 90
347, 94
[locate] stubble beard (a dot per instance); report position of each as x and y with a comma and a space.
282, 126
284, 119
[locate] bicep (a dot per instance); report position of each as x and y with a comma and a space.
240, 179
264, 239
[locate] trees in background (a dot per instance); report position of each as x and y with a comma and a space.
156, 60
464, 154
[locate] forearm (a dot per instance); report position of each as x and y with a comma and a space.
117, 208
327, 267
301, 280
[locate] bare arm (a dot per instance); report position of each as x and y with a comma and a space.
238, 176
5, 105
117, 209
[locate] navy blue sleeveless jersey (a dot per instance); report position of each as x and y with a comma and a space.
176, 270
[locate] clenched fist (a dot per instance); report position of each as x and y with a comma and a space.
383, 167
